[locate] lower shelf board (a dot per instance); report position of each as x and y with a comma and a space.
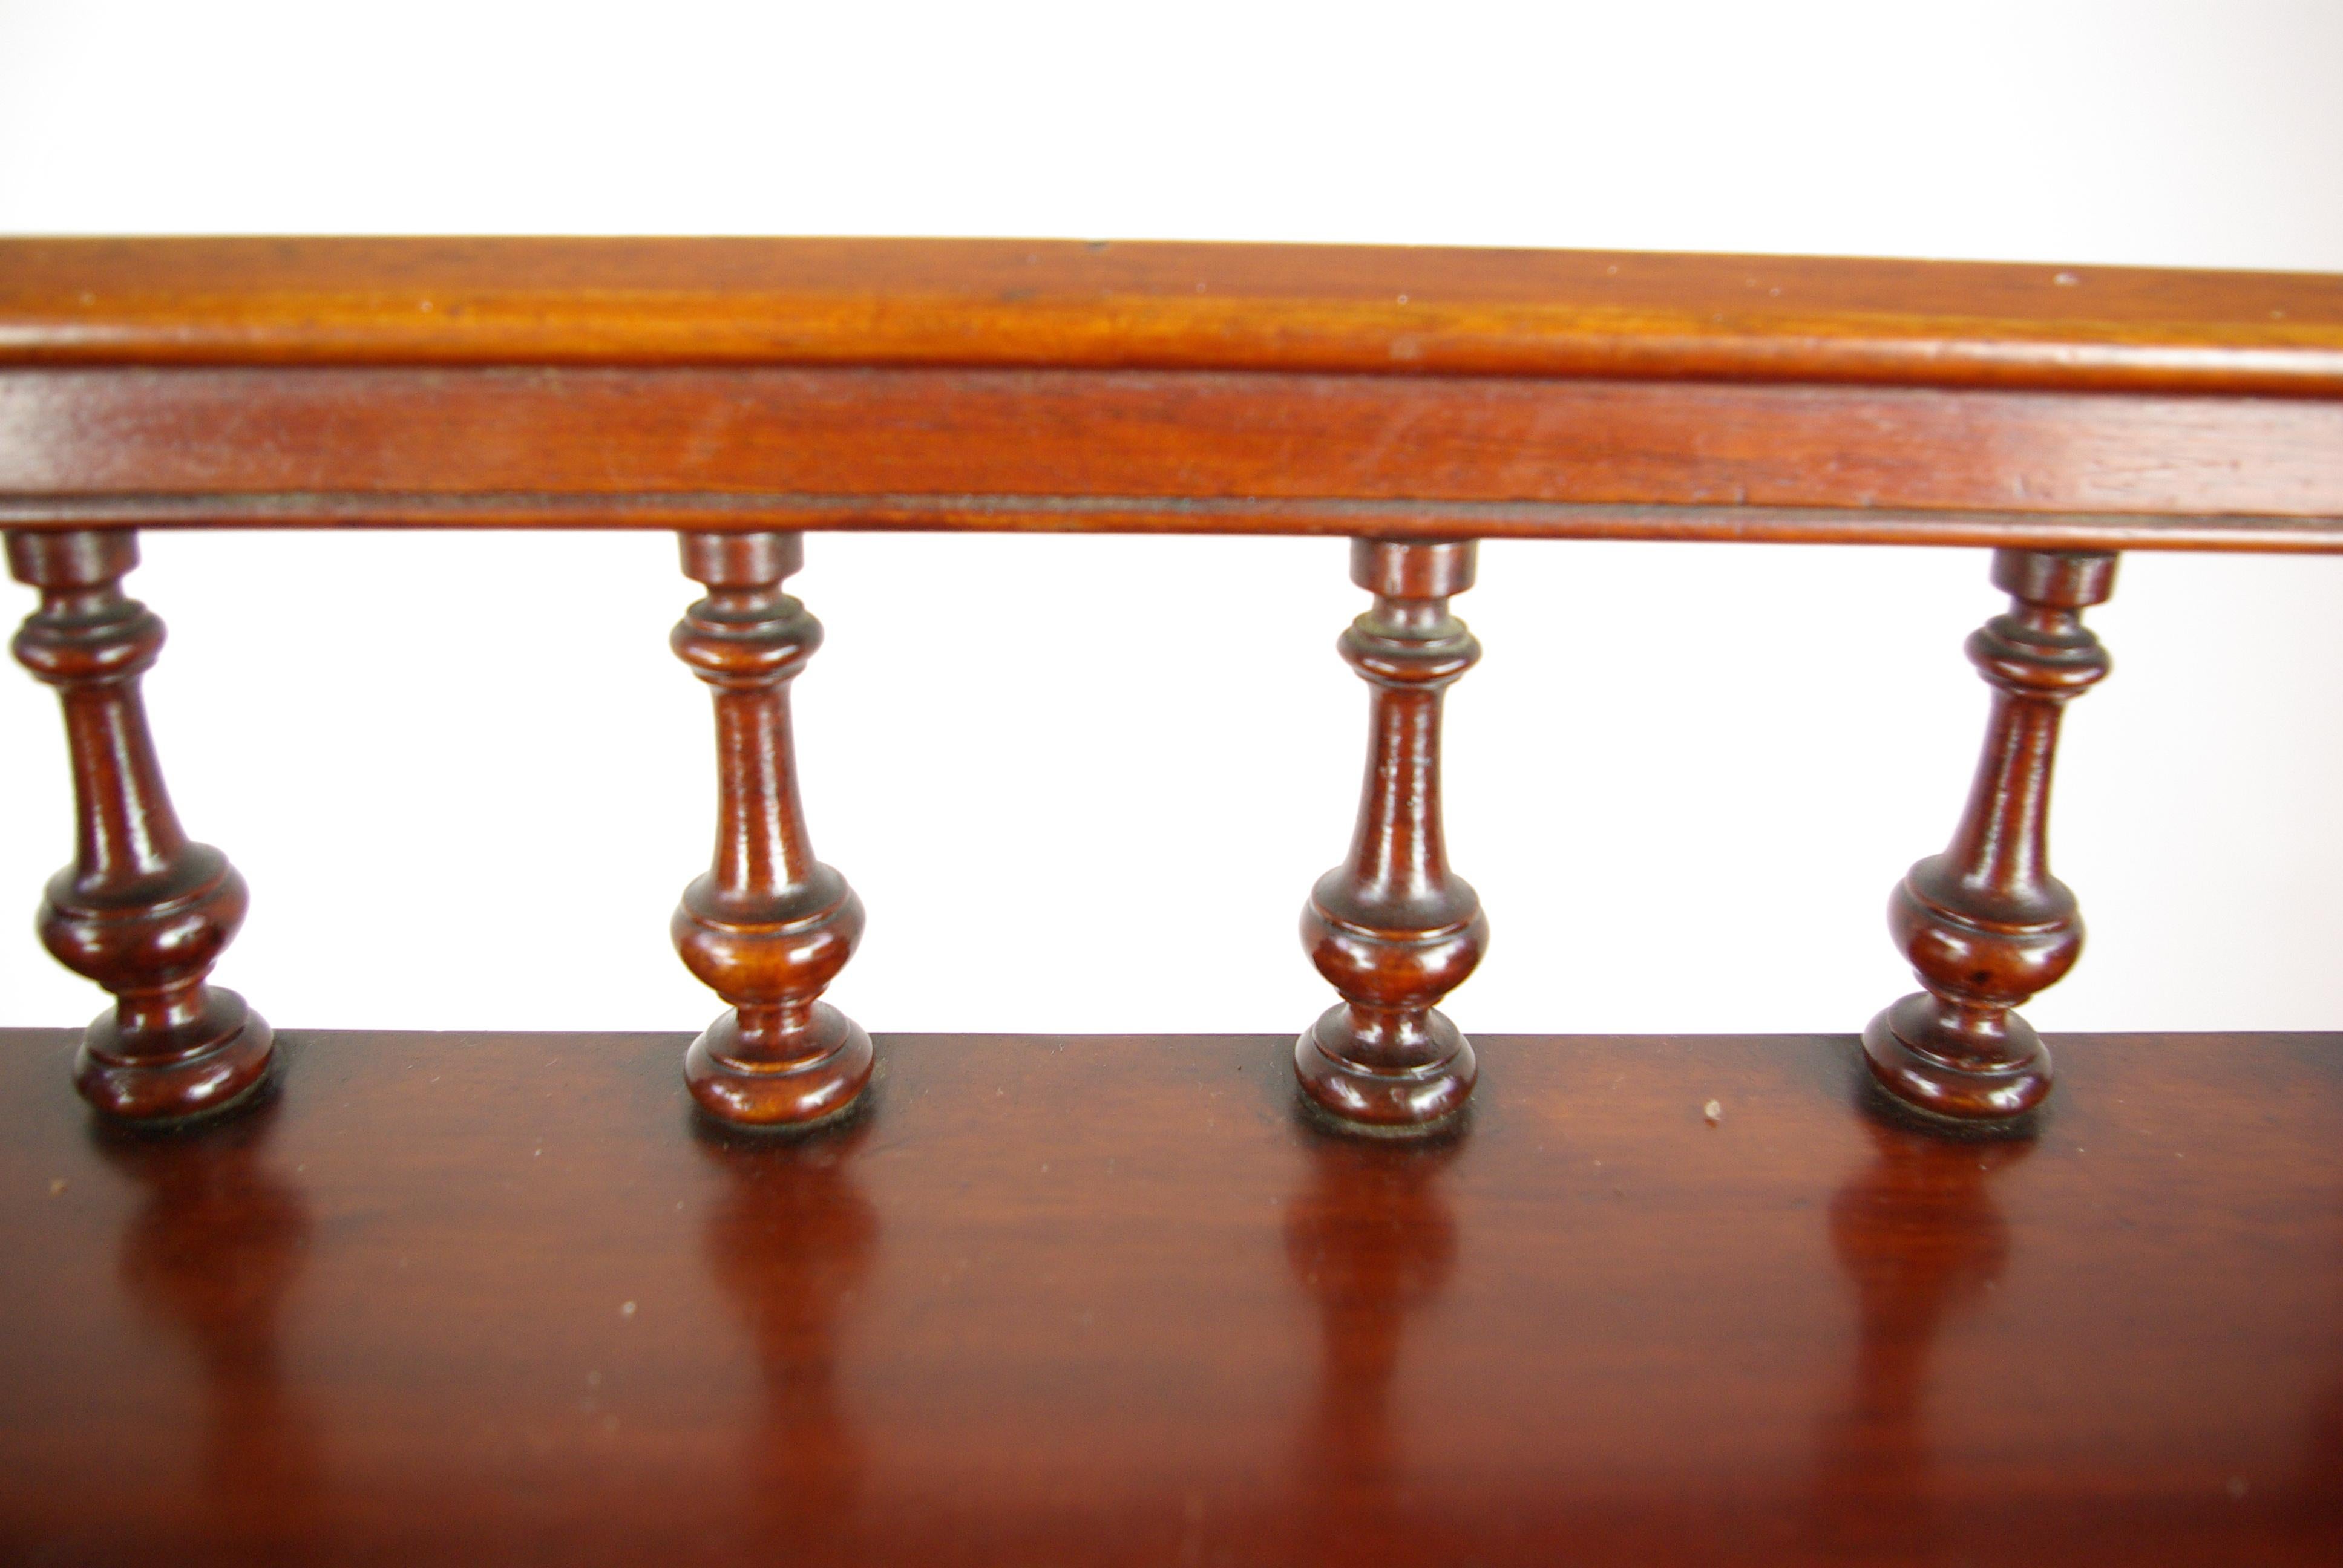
1069, 1300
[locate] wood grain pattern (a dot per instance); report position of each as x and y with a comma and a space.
1413, 310
780, 384
1107, 1302
842, 434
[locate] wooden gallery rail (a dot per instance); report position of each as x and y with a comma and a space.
743, 393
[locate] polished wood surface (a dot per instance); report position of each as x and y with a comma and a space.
1199, 451
1985, 924
142, 910
1392, 928
983, 385
1109, 1301
1413, 309
768, 928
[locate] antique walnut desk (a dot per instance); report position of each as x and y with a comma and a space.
1375, 1293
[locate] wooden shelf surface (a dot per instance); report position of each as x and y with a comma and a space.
1070, 1301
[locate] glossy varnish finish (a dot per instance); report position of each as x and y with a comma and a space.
998, 449
1400, 393
142, 910
1418, 309
769, 926
1392, 928
478, 1298
1985, 924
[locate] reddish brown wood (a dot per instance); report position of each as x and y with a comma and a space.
1403, 393
1986, 924
141, 911
1392, 928
1239, 515
1005, 449
1107, 1302
769, 926
1409, 310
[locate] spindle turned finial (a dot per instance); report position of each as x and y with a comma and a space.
1985, 924
768, 928
141, 911
1392, 928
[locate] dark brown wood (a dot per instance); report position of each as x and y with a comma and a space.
1110, 1302
1392, 928
769, 926
1009, 448
141, 911
1986, 924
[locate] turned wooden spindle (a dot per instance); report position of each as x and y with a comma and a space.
1392, 928
1985, 924
768, 928
141, 911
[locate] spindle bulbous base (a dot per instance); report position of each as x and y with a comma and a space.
819, 1081
1385, 1102
211, 1065
1896, 1048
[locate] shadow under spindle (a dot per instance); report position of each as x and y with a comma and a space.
1392, 928
1986, 924
141, 911
768, 928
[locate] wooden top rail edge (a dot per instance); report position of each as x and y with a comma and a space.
1166, 306
1459, 520
1009, 385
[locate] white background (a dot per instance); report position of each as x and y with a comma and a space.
1084, 783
